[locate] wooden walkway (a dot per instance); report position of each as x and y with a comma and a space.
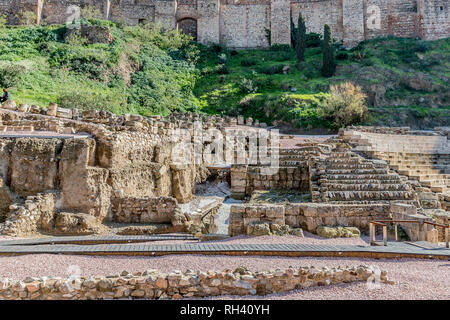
114, 245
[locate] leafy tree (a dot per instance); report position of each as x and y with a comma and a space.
329, 66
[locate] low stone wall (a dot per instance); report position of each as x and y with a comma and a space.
154, 285
308, 216
246, 179
144, 210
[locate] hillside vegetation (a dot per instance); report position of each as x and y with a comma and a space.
148, 71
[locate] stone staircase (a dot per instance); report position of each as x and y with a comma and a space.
431, 170
346, 177
294, 157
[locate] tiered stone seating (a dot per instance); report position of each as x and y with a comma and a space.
431, 170
345, 176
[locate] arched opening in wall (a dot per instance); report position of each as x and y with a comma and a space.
188, 26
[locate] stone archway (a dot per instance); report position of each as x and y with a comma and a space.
188, 26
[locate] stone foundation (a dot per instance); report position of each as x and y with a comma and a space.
155, 285
144, 210
308, 216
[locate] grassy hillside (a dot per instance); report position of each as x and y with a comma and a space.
150, 71
142, 71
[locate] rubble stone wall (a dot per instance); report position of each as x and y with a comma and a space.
246, 179
308, 216
144, 210
24, 219
243, 23
154, 285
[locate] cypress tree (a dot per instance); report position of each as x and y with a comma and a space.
301, 38
293, 33
328, 53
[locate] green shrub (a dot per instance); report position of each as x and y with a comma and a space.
222, 69
313, 40
90, 13
11, 75
342, 56
248, 62
276, 69
89, 101
345, 105
247, 86
421, 47
2, 21
27, 18
280, 47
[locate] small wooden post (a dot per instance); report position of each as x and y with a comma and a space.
422, 231
385, 235
418, 232
371, 233
396, 233
446, 238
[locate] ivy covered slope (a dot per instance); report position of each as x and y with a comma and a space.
149, 71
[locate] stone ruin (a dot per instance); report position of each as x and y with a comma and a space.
67, 172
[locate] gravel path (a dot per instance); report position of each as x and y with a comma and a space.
415, 279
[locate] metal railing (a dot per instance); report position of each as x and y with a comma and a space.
420, 228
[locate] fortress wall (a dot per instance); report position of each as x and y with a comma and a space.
133, 14
435, 19
319, 13
242, 23
208, 23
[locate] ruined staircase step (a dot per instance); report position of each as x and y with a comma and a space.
357, 171
364, 181
439, 188
437, 182
428, 177
369, 195
352, 166
422, 172
365, 187
358, 177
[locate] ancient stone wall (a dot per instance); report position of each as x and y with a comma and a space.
144, 210
244, 23
152, 284
306, 215
246, 179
